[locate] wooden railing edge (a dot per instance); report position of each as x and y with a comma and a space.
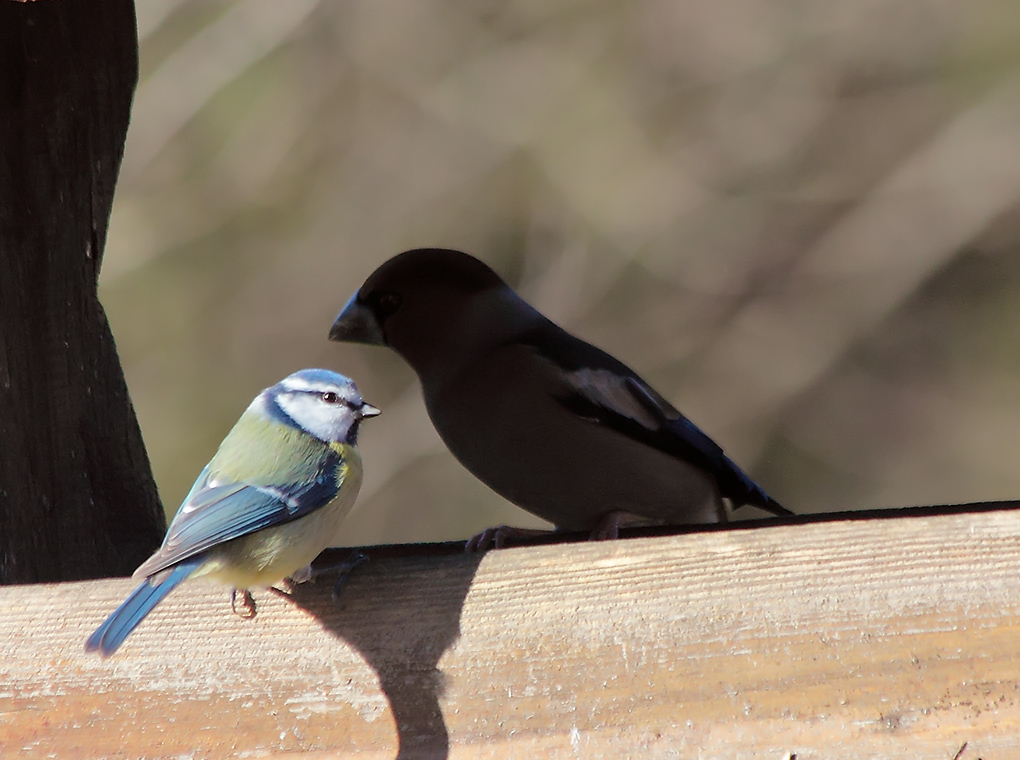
892, 635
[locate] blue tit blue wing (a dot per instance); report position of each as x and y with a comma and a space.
216, 512
599, 387
111, 634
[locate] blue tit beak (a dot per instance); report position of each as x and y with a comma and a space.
367, 410
357, 324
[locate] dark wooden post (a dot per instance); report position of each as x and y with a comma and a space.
77, 498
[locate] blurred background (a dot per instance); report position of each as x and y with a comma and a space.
799, 221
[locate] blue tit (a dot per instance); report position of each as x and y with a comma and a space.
267, 503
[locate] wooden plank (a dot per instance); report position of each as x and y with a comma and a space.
842, 639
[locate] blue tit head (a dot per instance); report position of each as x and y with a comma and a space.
320, 402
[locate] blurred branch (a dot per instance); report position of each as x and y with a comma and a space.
152, 13
196, 71
687, 187
908, 227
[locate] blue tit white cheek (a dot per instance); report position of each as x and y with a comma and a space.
328, 422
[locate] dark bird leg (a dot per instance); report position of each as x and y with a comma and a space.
496, 538
608, 526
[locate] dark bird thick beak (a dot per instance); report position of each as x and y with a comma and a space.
357, 324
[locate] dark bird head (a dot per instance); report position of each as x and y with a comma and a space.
434, 306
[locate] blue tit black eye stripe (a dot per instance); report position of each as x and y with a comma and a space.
332, 397
277, 412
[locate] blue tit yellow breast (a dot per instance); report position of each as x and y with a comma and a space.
267, 556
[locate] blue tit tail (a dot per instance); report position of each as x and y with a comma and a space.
111, 634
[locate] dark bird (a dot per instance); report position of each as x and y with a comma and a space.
548, 421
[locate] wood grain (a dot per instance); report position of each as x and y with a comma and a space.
841, 639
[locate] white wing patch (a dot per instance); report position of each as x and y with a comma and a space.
609, 390
276, 493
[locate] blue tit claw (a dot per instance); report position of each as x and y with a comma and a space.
286, 586
302, 575
246, 609
344, 569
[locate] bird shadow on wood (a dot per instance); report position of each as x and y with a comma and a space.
401, 611
400, 614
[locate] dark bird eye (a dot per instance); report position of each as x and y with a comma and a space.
386, 303
330, 398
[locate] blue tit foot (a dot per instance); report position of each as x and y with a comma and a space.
285, 587
246, 608
303, 575
345, 569
496, 538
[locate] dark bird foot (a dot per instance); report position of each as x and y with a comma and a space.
496, 538
608, 526
246, 608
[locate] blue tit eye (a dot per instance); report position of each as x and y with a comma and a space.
329, 397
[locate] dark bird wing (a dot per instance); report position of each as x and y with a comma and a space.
734, 483
603, 389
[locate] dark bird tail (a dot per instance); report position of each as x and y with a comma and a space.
741, 490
